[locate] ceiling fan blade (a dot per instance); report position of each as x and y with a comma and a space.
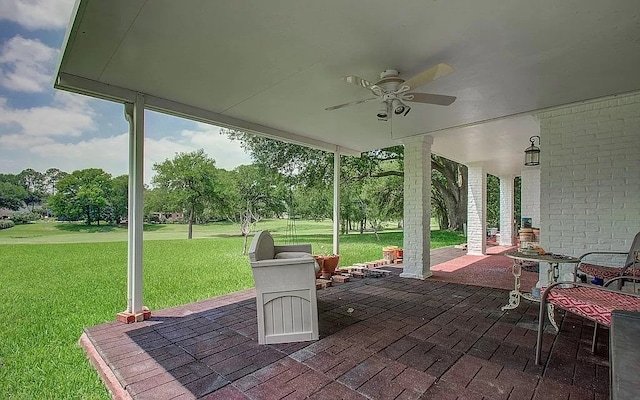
356, 80
430, 75
351, 103
429, 98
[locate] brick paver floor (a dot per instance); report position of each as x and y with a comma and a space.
380, 338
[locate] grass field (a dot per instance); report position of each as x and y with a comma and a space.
66, 232
56, 278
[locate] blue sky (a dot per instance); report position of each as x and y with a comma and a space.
43, 128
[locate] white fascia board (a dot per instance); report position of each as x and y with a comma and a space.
69, 35
89, 87
118, 94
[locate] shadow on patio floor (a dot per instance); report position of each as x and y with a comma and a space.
380, 338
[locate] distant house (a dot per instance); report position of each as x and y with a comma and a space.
163, 218
6, 213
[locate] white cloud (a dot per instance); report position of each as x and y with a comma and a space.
14, 141
26, 65
228, 154
108, 153
37, 14
70, 115
111, 153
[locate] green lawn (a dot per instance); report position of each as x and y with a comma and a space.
71, 232
64, 277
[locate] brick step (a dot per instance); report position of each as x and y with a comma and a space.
376, 273
322, 283
340, 278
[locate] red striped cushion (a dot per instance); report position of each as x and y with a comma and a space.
593, 303
599, 271
632, 271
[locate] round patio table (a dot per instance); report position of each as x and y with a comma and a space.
553, 260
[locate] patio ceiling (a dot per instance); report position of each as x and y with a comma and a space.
273, 67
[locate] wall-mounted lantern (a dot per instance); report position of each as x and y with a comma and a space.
532, 153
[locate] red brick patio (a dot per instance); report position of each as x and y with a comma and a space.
380, 338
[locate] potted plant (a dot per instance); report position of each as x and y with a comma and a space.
327, 263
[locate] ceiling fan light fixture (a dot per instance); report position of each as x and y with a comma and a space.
398, 107
383, 112
393, 92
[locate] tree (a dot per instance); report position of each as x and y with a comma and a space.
254, 193
310, 203
33, 183
311, 171
156, 200
84, 194
12, 193
493, 202
118, 200
191, 182
51, 178
313, 167
384, 198
449, 193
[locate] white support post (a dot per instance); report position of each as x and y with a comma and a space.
477, 211
134, 114
128, 114
417, 208
506, 210
336, 202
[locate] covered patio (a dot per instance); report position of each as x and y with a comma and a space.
380, 338
563, 71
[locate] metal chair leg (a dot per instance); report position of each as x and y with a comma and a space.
594, 345
543, 309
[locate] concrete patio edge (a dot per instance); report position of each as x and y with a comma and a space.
110, 381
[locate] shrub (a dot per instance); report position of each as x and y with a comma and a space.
6, 224
24, 218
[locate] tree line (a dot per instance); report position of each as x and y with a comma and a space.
284, 180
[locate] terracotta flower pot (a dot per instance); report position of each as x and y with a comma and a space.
329, 265
320, 261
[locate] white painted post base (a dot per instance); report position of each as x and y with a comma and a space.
416, 276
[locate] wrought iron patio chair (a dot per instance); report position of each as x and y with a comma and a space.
595, 303
589, 263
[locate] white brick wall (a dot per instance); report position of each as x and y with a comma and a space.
506, 210
530, 195
417, 207
476, 210
590, 175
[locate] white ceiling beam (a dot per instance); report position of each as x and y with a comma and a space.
118, 94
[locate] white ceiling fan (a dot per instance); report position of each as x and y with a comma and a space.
394, 92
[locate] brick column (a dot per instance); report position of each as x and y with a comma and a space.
417, 207
506, 210
477, 210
